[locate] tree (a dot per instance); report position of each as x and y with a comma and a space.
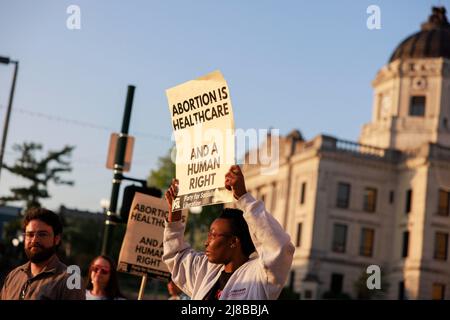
40, 172
162, 177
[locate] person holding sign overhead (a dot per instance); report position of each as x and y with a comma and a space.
229, 269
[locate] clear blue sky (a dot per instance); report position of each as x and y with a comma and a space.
289, 64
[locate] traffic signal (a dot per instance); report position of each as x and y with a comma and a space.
128, 195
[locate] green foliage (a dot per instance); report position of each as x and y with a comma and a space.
162, 177
40, 172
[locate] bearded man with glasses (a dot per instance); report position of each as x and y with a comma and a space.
44, 276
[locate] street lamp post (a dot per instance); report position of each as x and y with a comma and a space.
6, 60
111, 215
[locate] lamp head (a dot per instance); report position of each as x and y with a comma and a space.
5, 60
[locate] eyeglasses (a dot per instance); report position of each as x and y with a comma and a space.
37, 234
213, 235
100, 269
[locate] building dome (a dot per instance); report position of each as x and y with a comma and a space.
432, 41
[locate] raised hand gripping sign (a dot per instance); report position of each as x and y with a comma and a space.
203, 128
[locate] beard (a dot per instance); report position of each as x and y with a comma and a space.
41, 255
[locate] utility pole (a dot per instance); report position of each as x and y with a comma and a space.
111, 215
6, 60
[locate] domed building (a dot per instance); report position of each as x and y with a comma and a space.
412, 91
431, 42
383, 201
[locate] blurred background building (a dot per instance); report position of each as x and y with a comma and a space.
383, 200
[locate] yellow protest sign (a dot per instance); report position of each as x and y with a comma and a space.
203, 124
142, 246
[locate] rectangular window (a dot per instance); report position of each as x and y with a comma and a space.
408, 204
444, 203
343, 195
339, 237
370, 199
417, 106
303, 193
366, 242
292, 280
405, 245
438, 291
381, 104
308, 295
440, 246
337, 281
299, 235
391, 197
401, 290
274, 197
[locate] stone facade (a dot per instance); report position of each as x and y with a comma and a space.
381, 201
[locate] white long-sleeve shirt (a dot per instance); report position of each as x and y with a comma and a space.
262, 277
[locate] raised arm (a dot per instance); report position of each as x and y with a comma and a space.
183, 262
272, 243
